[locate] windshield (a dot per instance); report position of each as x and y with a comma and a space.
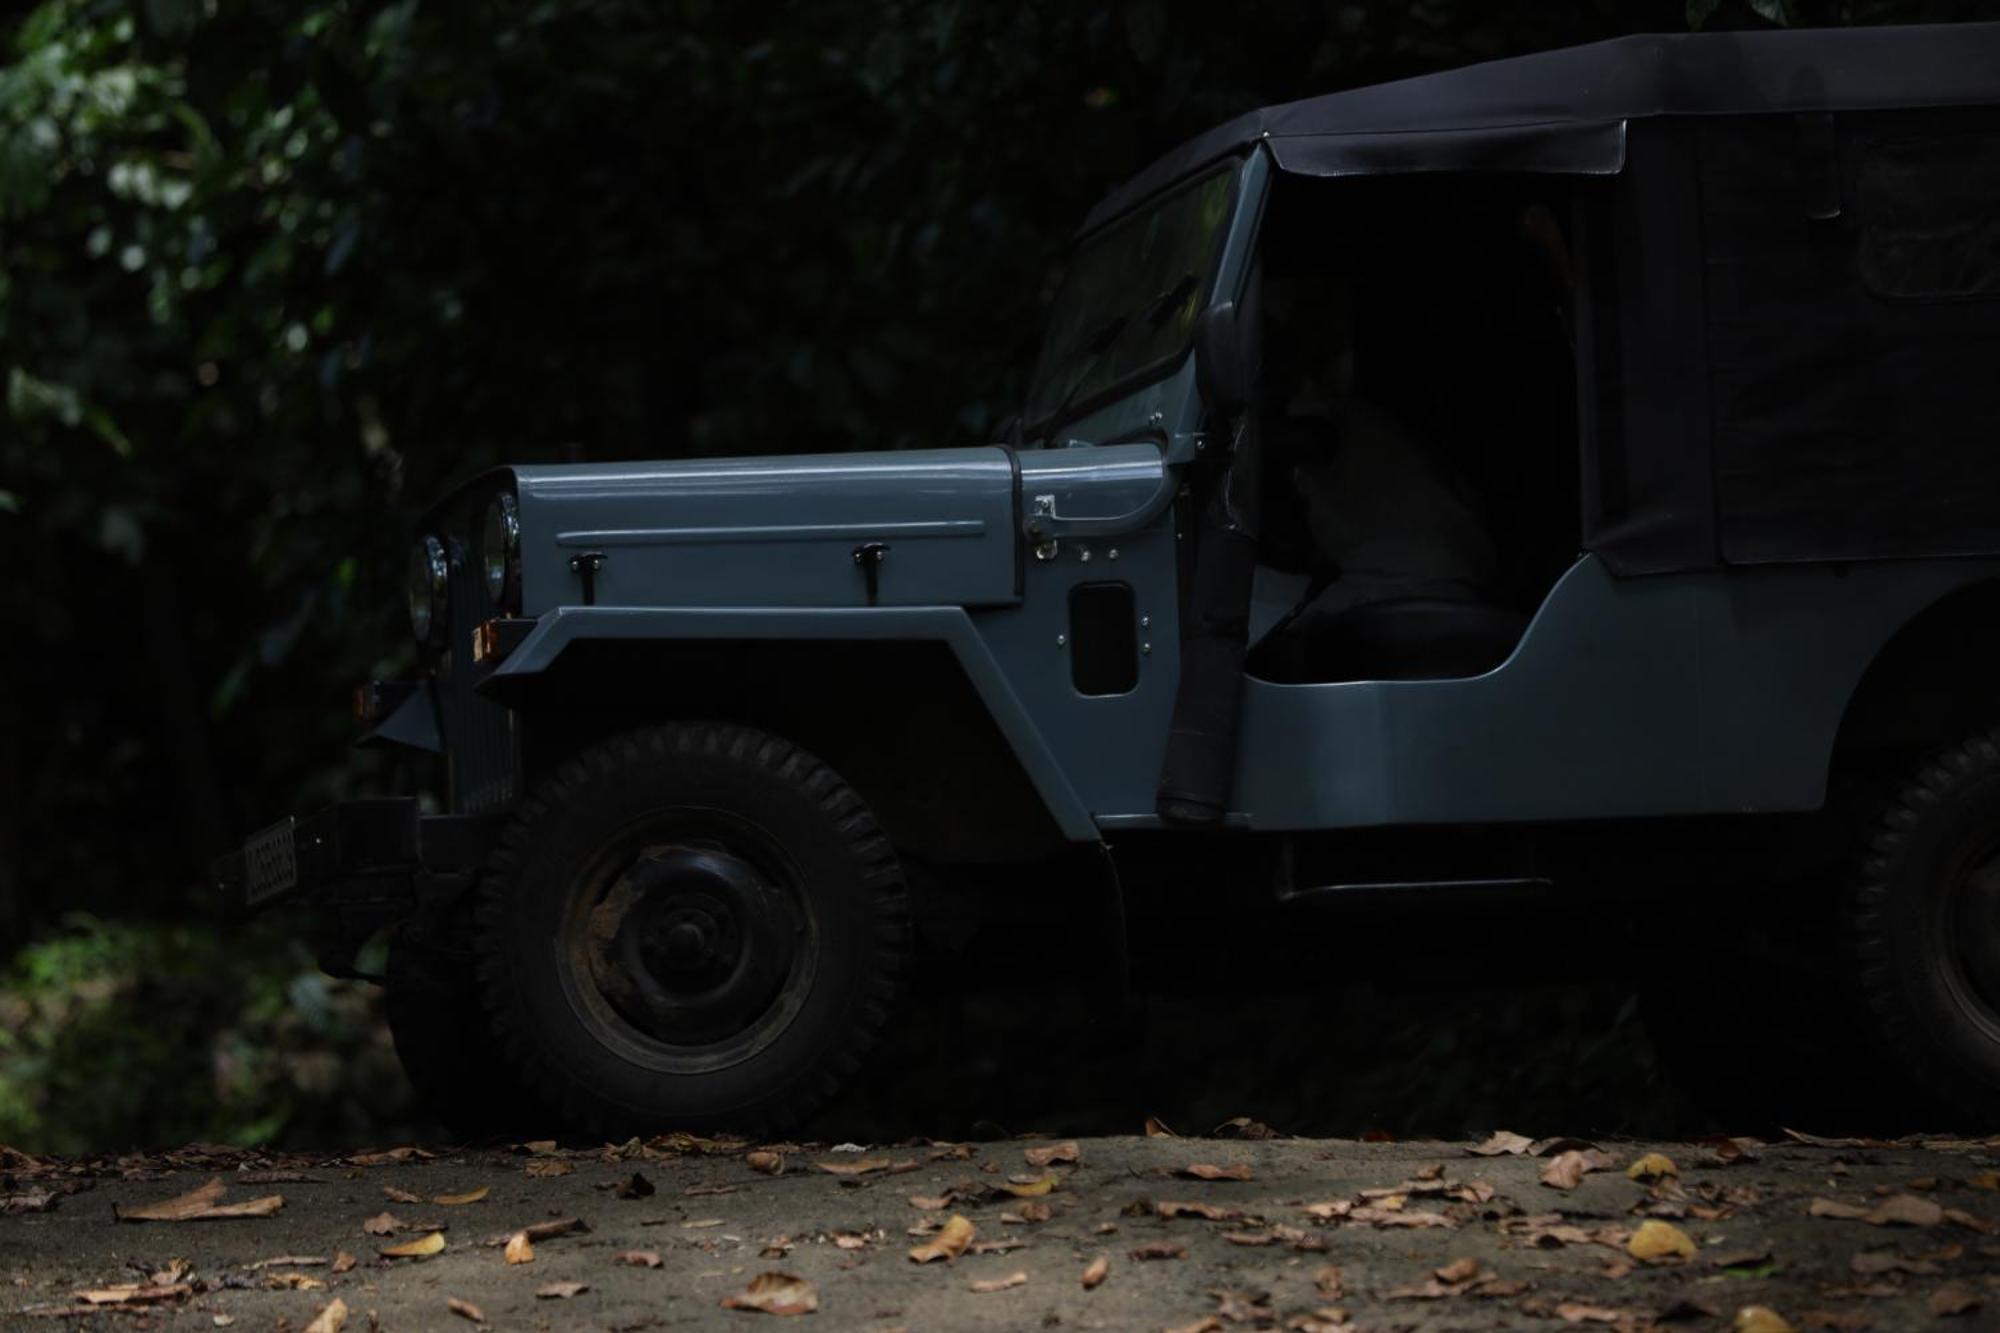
1129, 302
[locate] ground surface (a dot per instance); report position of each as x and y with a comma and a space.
1460, 1241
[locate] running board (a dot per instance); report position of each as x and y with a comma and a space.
1404, 889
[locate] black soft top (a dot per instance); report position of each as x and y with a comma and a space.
1566, 111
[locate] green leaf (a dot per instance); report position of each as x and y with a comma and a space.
1771, 11
1701, 11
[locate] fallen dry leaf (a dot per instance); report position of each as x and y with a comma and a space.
1095, 1273
1567, 1169
1027, 1187
1005, 1245
394, 1195
857, 1168
1898, 1210
1209, 1171
281, 1261
330, 1318
775, 1293
1654, 1239
200, 1205
1050, 1154
1575, 1312
1331, 1211
849, 1240
458, 1200
1760, 1318
1503, 1142
1158, 1249
382, 1224
1207, 1324
421, 1248
1457, 1271
933, 1203
948, 1244
1155, 1129
342, 1261
465, 1310
1955, 1298
560, 1291
986, 1286
635, 1186
293, 1282
765, 1163
646, 1258
520, 1250
542, 1168
1653, 1166
133, 1293
1031, 1211
1214, 1212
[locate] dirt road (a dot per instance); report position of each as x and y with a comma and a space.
1183, 1233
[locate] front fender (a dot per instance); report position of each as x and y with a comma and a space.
557, 630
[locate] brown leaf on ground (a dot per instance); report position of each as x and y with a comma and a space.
1399, 1217
520, 1250
1214, 1212
1004, 1245
849, 1240
389, 1156
948, 1244
1955, 1298
1209, 1171
933, 1203
986, 1286
541, 1168
1095, 1272
1158, 1249
1653, 1166
540, 1231
421, 1248
31, 1201
1458, 1270
765, 1162
382, 1224
1031, 1211
1052, 1154
859, 1167
634, 1186
465, 1310
1331, 1211
1243, 1127
1654, 1240
1566, 1170
1503, 1143
560, 1291
1156, 1130
460, 1200
342, 1261
1906, 1210
1814, 1140
1206, 1324
647, 1258
1023, 1187
200, 1205
1575, 1312
293, 1282
394, 1195
1985, 1226
775, 1293
1250, 1237
1760, 1319
135, 1293
330, 1318
279, 1261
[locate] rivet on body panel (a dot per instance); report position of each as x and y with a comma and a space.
1062, 640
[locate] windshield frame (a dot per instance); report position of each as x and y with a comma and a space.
1155, 368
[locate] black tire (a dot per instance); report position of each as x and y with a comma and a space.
694, 926
445, 1044
1925, 922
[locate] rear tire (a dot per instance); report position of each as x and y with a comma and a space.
1924, 918
694, 926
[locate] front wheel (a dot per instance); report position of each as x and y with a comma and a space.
1925, 917
692, 926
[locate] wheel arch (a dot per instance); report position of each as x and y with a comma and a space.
906, 704
1935, 680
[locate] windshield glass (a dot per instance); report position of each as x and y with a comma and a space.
1129, 302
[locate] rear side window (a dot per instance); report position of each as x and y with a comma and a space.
1928, 209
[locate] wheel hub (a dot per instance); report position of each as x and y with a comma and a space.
691, 944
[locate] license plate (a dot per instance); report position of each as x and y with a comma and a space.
270, 864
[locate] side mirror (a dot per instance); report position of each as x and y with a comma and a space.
1222, 358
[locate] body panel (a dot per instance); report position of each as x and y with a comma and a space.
773, 531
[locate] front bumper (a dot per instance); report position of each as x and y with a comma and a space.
361, 865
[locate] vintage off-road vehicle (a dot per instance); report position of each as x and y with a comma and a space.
1705, 331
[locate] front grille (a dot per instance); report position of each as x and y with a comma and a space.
482, 758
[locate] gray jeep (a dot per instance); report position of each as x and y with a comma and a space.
1701, 335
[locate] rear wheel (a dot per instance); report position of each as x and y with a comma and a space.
692, 926
1925, 923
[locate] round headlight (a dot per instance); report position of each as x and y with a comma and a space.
429, 586
500, 547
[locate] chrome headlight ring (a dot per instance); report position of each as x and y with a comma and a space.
429, 588
500, 550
